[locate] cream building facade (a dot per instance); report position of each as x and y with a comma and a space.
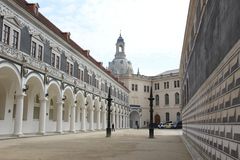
166, 91
47, 82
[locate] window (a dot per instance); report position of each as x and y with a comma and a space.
157, 100
145, 88
37, 48
166, 99
156, 86
10, 34
132, 87
176, 84
136, 87
40, 53
176, 98
167, 116
15, 39
166, 85
6, 34
55, 60
34, 48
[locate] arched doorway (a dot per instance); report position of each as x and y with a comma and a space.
157, 119
134, 119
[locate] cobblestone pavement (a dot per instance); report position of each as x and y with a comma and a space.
127, 144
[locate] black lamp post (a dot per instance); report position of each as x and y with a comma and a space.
151, 127
109, 99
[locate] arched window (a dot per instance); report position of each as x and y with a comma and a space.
166, 99
167, 116
178, 117
177, 98
157, 100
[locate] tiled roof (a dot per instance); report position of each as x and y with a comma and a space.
29, 7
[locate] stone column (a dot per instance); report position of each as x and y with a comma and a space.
117, 123
104, 126
98, 119
59, 116
113, 119
120, 121
83, 121
72, 123
42, 120
19, 114
78, 115
91, 119
124, 121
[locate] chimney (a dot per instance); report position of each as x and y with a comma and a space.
34, 7
66, 35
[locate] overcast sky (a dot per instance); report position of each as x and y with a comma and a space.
153, 30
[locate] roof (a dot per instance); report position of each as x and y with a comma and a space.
30, 8
169, 72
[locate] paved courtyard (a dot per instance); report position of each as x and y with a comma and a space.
128, 144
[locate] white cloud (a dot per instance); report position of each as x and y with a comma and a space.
152, 29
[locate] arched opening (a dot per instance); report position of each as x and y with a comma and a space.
157, 100
157, 119
166, 99
9, 88
134, 119
178, 116
177, 98
167, 117
52, 103
31, 107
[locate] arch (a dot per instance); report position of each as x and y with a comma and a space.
96, 104
157, 119
68, 103
157, 100
54, 85
166, 99
10, 83
89, 103
176, 98
10, 68
134, 119
54, 95
68, 92
35, 82
80, 99
178, 116
103, 105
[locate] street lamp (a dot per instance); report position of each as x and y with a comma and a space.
109, 99
151, 127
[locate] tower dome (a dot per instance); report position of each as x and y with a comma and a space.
120, 65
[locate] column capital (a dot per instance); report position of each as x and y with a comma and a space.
20, 95
43, 99
59, 102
